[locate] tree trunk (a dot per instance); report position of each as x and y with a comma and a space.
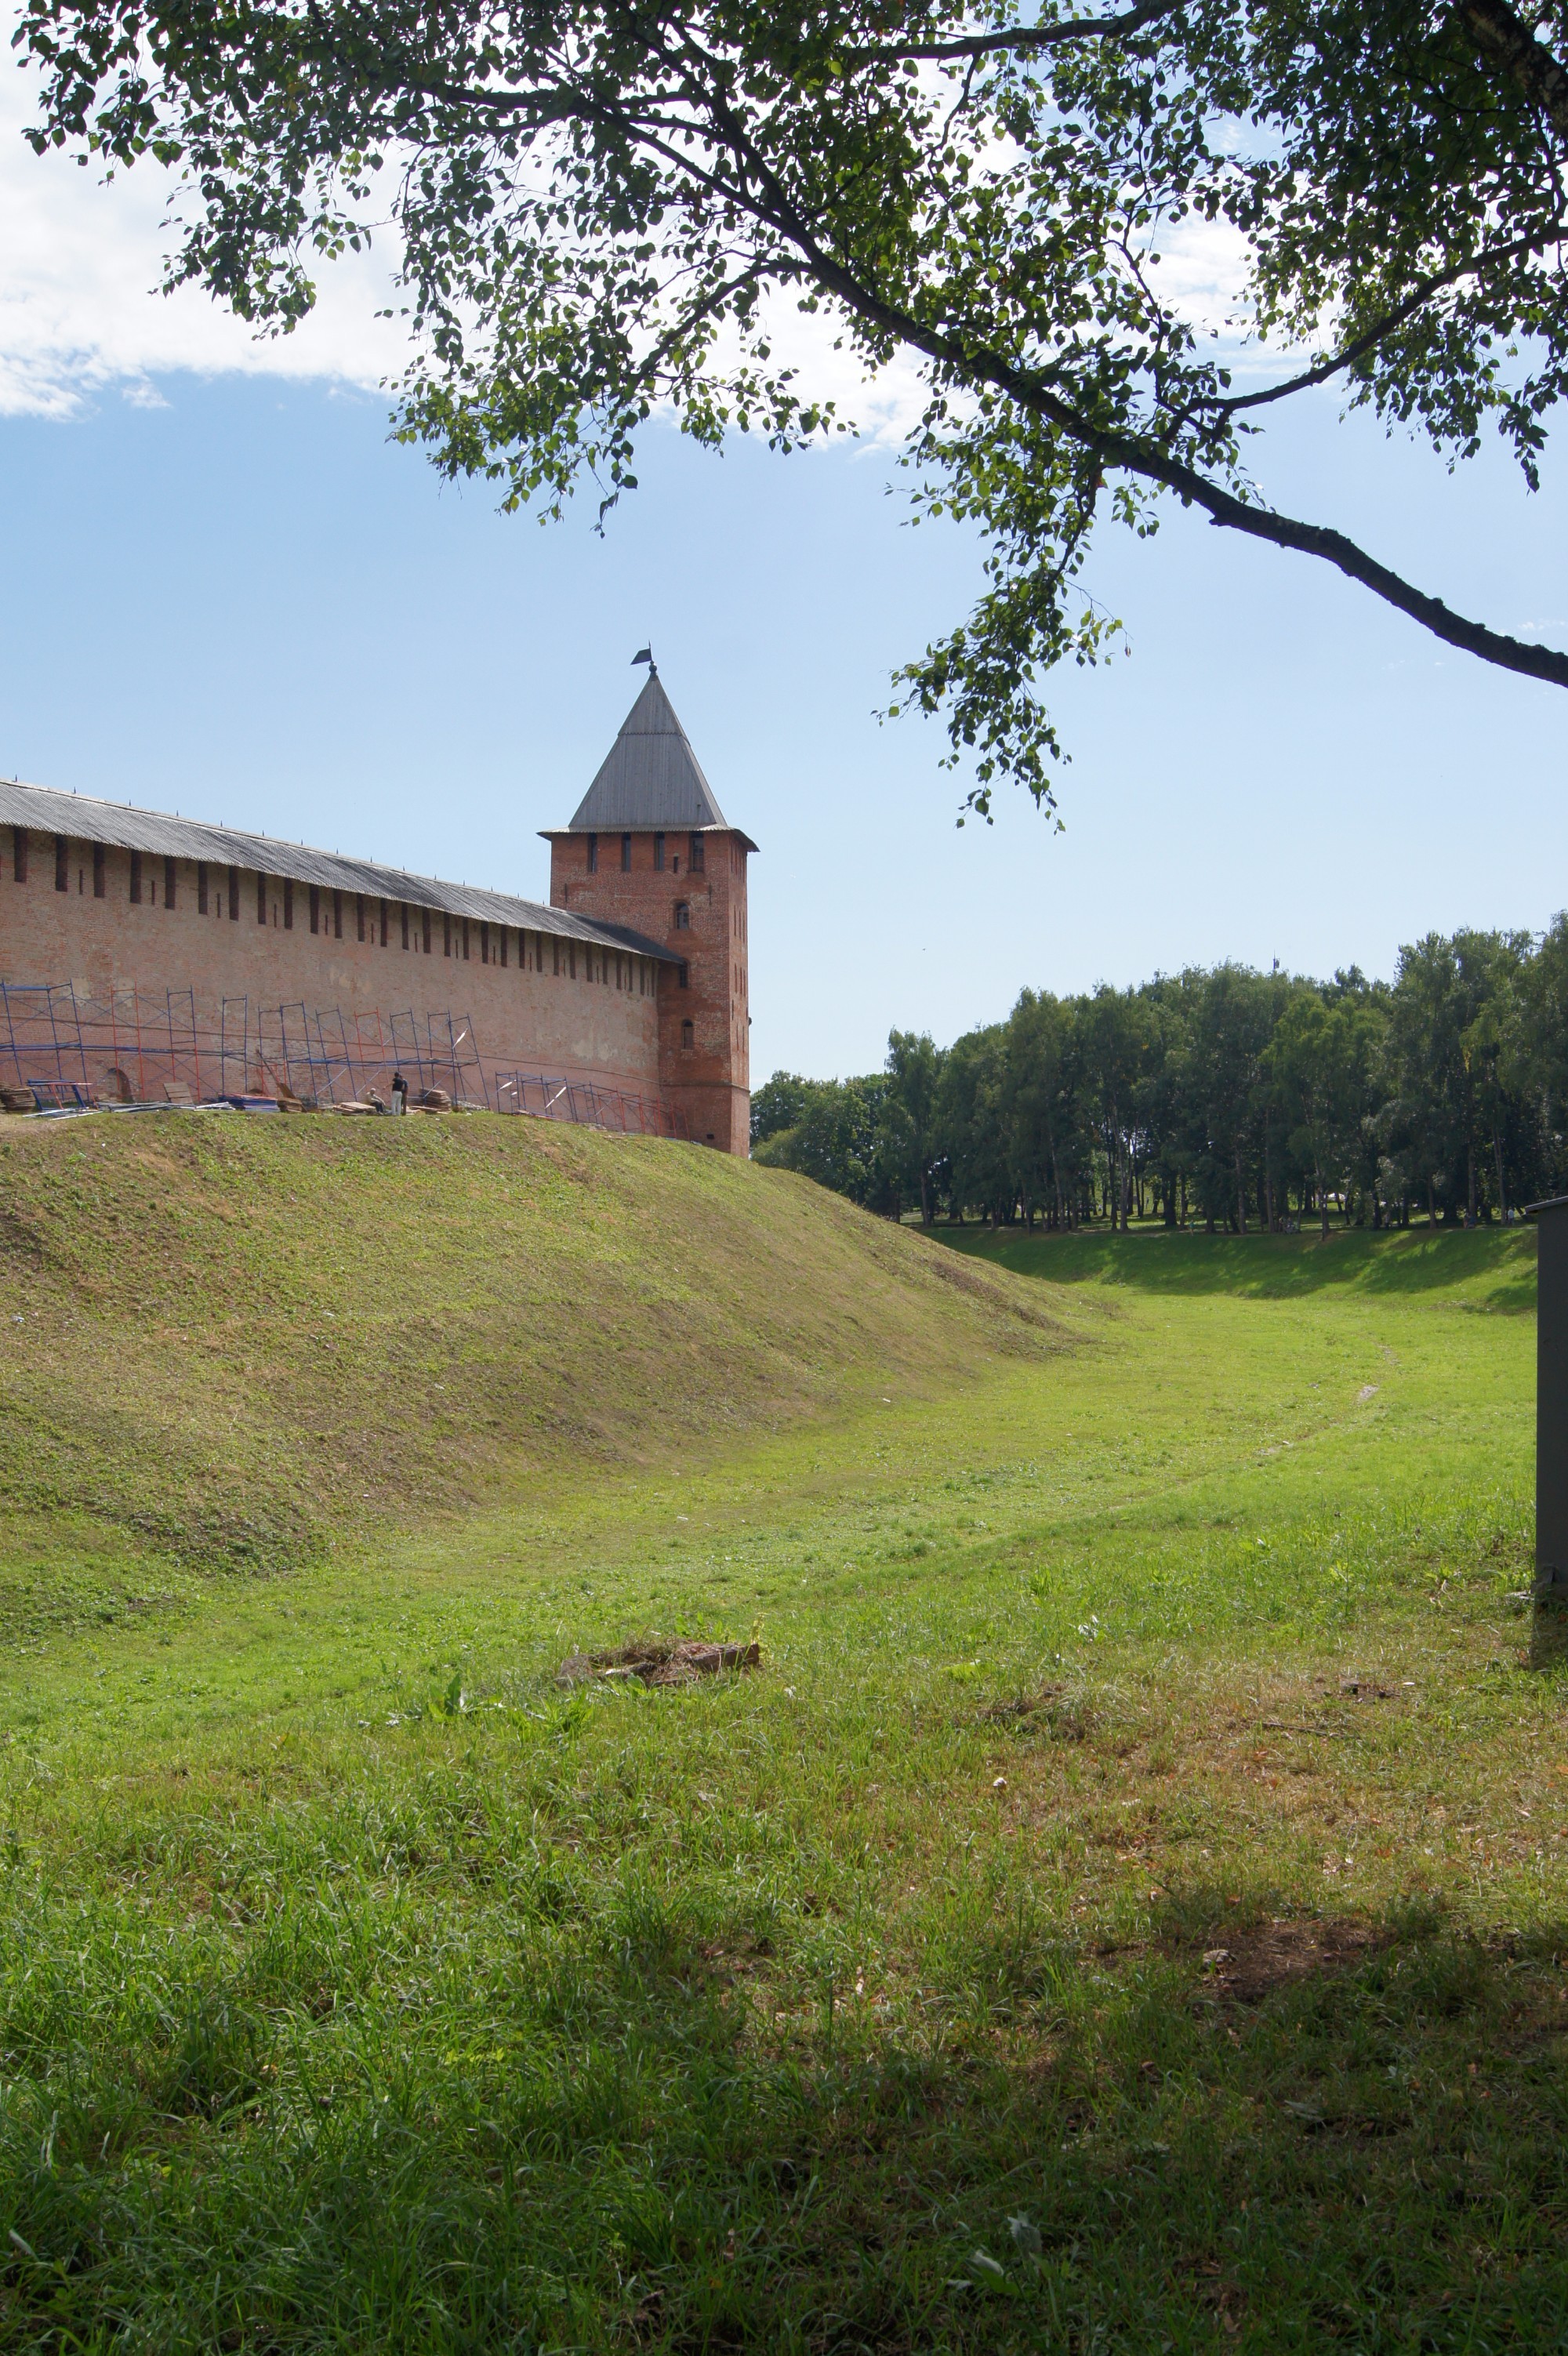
1431, 1203
1497, 1157
1323, 1205
1470, 1183
1240, 1197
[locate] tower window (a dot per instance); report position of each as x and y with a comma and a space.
169, 882
687, 1034
19, 855
359, 915
626, 854
315, 907
100, 865
385, 921
465, 937
403, 911
201, 887
233, 895
682, 975
593, 854
659, 852
682, 916
62, 863
696, 854
288, 903
337, 916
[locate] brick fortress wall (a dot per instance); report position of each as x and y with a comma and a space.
687, 892
102, 918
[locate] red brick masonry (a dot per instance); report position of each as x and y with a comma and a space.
687, 892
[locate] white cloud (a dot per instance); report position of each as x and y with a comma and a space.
79, 313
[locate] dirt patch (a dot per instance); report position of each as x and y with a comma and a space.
1273, 1954
657, 1661
1053, 1712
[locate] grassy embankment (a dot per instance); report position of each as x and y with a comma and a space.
1045, 1951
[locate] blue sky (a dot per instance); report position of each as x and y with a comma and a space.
224, 592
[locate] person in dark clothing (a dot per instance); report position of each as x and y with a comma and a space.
399, 1093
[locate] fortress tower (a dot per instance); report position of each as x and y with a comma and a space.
649, 849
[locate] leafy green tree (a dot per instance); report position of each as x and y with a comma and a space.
972, 1127
1231, 1020
1319, 1058
599, 210
914, 1072
1045, 1117
778, 1104
1534, 1053
850, 1136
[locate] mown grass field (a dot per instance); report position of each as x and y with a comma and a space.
1127, 1911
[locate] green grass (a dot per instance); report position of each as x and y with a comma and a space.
1044, 1951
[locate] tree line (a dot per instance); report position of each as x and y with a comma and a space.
1221, 1097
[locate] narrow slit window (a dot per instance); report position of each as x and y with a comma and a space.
359, 915
626, 854
593, 854
62, 863
18, 854
426, 932
659, 854
169, 880
201, 887
233, 895
100, 870
696, 861
404, 912
688, 1033
288, 903
135, 879
386, 916
337, 916
315, 907
261, 899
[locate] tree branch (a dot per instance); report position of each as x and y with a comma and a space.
1510, 42
1125, 453
1022, 36
1374, 334
768, 202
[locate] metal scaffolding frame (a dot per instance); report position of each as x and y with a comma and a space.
137, 1047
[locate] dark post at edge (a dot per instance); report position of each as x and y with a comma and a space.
1549, 1598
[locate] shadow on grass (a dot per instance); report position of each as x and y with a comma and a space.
645, 2139
1496, 1269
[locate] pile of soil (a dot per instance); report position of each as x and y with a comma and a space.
659, 1661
